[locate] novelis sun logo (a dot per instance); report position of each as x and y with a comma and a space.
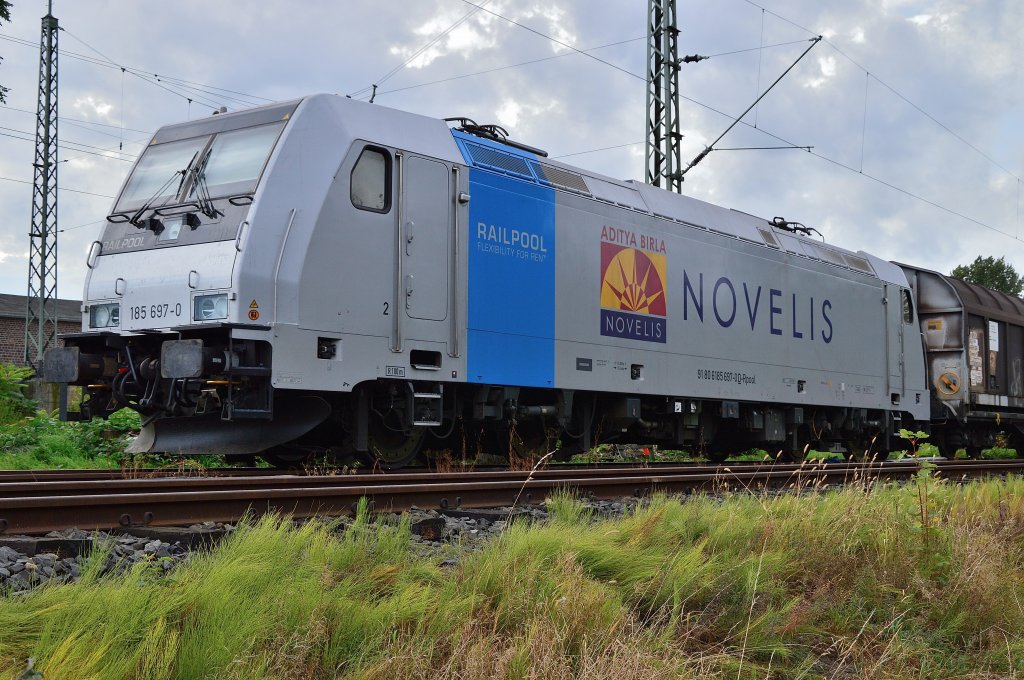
633, 285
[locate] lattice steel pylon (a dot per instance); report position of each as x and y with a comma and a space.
664, 161
41, 305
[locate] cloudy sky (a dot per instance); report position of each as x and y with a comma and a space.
914, 108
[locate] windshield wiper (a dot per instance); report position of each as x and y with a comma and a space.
202, 189
206, 205
135, 220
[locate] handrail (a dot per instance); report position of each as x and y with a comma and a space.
453, 285
90, 259
398, 308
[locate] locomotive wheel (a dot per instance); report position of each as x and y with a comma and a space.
531, 440
391, 448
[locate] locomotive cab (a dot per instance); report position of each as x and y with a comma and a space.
160, 310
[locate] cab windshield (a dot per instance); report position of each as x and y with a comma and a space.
160, 171
226, 164
236, 160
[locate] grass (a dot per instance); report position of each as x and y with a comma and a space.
918, 581
41, 441
32, 439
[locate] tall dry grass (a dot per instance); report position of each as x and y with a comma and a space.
919, 581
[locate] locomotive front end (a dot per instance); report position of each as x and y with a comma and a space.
164, 329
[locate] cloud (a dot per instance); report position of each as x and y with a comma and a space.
827, 68
556, 28
466, 33
474, 34
944, 22
91, 107
518, 114
958, 61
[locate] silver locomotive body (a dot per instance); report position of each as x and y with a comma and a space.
326, 274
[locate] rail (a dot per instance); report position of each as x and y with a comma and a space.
41, 506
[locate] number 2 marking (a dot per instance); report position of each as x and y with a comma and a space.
385, 309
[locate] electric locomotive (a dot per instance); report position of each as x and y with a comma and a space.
327, 275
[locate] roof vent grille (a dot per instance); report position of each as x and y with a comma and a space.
859, 263
769, 238
560, 177
496, 160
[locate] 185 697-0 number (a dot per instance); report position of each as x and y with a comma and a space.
157, 311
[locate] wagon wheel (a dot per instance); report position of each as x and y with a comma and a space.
859, 450
948, 443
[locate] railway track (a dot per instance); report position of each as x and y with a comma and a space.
7, 476
194, 473
39, 506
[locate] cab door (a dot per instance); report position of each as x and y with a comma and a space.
426, 238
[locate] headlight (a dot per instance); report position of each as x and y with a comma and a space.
210, 307
105, 316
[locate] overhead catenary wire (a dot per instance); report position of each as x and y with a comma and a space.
603, 148
760, 48
509, 66
418, 52
148, 75
118, 150
889, 87
864, 120
760, 60
868, 176
554, 40
82, 226
764, 148
63, 188
631, 73
209, 102
567, 54
711, 147
691, 100
790, 144
66, 119
26, 136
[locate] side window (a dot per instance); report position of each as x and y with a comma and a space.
908, 307
371, 181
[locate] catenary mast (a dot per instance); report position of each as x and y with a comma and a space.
664, 162
41, 306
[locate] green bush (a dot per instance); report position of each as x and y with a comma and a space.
998, 453
42, 440
14, 404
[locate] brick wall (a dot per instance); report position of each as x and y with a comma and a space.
12, 338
